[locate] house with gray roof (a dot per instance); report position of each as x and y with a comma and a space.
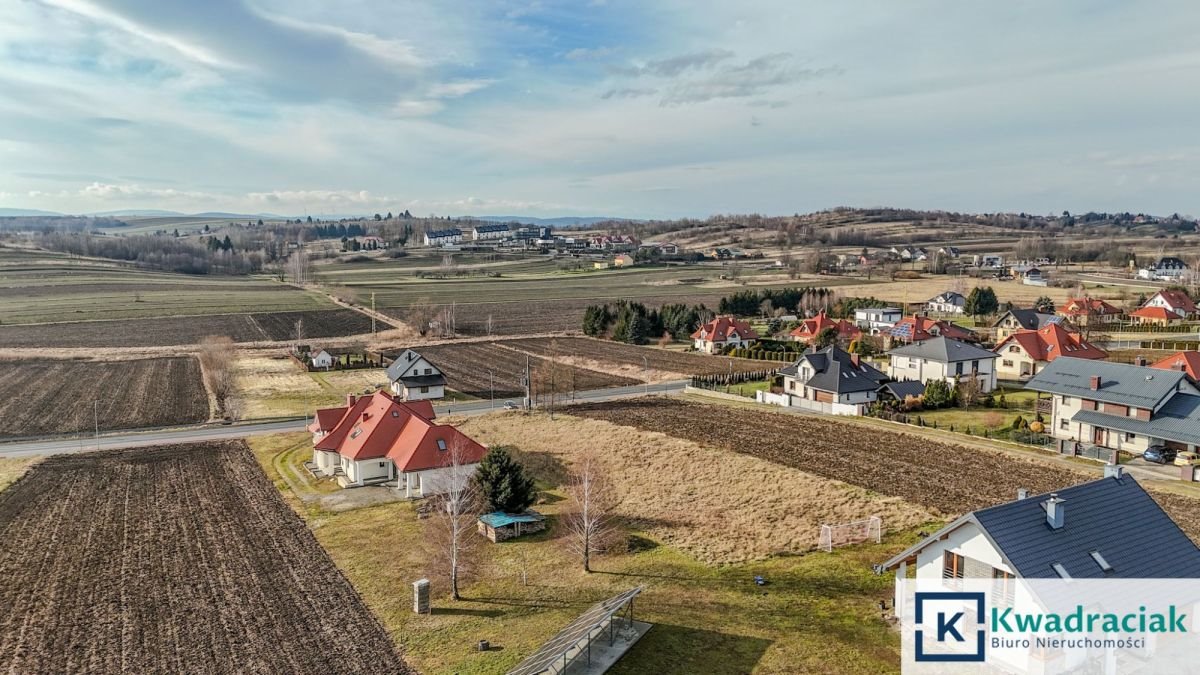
950, 302
1108, 528
942, 358
1119, 405
1023, 319
414, 378
831, 380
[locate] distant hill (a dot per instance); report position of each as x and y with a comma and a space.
562, 221
135, 212
26, 212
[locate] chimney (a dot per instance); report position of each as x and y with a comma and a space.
1181, 367
1139, 361
1114, 471
365, 415
854, 359
1022, 493
1095, 382
1055, 511
350, 400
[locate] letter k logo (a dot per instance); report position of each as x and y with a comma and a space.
944, 627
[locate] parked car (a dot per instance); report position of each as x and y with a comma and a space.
509, 405
1159, 454
1186, 458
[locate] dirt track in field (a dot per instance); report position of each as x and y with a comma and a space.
177, 559
48, 397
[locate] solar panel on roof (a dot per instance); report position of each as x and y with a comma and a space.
551, 653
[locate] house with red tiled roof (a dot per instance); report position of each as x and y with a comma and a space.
723, 332
1155, 316
1089, 312
1175, 301
809, 329
1187, 362
917, 328
380, 439
1025, 352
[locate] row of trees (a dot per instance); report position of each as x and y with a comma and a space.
634, 323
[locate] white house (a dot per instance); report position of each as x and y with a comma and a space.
988, 260
721, 333
875, 320
1108, 528
942, 358
1173, 301
452, 235
490, 231
1167, 268
321, 359
414, 378
950, 302
378, 439
832, 381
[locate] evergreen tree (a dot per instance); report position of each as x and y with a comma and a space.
1044, 305
502, 482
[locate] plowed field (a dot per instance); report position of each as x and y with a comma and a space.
466, 367
177, 559
618, 353
48, 397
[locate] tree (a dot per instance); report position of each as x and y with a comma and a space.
981, 301
938, 394
421, 315
502, 482
452, 530
217, 355
591, 500
827, 336
1044, 305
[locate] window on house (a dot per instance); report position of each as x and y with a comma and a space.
1101, 561
974, 365
424, 390
1013, 349
1130, 436
1064, 424
958, 369
429, 371
1064, 399
381, 465
441, 444
1008, 363
952, 565
357, 431
1060, 571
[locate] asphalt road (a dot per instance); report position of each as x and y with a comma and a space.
215, 432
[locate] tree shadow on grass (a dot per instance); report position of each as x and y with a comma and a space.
668, 648
547, 468
465, 611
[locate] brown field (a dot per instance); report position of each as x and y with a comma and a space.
604, 355
704, 501
186, 330
466, 365
177, 559
945, 478
48, 397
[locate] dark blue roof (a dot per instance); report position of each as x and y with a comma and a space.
1114, 516
905, 388
452, 232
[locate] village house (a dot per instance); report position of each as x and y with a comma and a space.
414, 378
1035, 277
916, 328
379, 439
942, 358
1167, 268
1155, 316
900, 391
988, 260
489, 231
445, 237
1022, 319
321, 359
831, 381
1107, 528
810, 329
1173, 300
721, 333
623, 260
1120, 406
949, 252
950, 302
1025, 352
875, 320
1090, 312
1187, 362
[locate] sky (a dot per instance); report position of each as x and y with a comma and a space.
638, 108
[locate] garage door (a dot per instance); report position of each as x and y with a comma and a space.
1175, 445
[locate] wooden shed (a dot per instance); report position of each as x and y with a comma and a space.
500, 526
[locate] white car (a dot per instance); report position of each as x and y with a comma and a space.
509, 405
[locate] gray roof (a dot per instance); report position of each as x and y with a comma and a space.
945, 350
1178, 420
950, 296
904, 388
1120, 383
1113, 516
492, 227
1030, 319
439, 234
397, 368
834, 371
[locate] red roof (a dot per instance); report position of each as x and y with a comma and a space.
1087, 306
1188, 362
809, 329
1051, 342
718, 330
379, 426
1156, 313
1176, 299
326, 419
925, 328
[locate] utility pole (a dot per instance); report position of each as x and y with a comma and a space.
96, 419
528, 399
373, 312
646, 372
492, 388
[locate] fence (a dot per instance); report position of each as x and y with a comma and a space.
349, 361
722, 379
1023, 436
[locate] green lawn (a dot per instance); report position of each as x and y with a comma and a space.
818, 613
747, 389
1019, 402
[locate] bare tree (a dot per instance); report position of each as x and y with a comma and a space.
591, 499
217, 356
298, 267
455, 544
489, 324
421, 315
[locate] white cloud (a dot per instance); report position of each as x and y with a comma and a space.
457, 89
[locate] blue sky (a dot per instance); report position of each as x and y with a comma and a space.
608, 107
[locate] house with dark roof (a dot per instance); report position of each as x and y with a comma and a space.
721, 333
1108, 528
1025, 352
490, 231
1120, 406
1166, 268
942, 358
379, 439
1024, 319
451, 235
950, 302
831, 380
900, 390
1174, 301
413, 378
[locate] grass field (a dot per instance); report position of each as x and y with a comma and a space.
817, 611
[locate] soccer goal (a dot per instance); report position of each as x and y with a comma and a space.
855, 532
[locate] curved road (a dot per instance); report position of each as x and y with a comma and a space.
215, 432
